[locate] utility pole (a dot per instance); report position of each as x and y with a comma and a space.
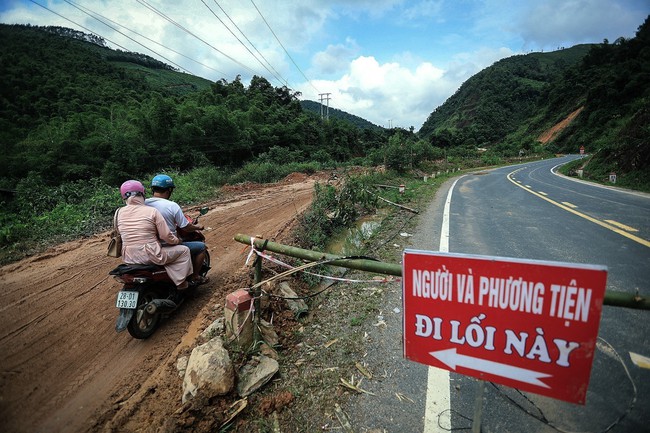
325, 113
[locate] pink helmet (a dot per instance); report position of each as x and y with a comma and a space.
131, 187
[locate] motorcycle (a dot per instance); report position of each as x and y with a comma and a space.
148, 295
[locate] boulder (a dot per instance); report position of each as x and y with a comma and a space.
255, 374
209, 370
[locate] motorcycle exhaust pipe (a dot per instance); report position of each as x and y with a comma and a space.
160, 306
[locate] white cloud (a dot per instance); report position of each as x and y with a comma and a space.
335, 58
405, 95
423, 9
569, 22
382, 92
374, 56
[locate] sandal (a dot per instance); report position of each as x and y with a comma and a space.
200, 280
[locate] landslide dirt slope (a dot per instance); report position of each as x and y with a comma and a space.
64, 368
551, 133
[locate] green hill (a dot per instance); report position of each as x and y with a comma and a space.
334, 113
507, 107
72, 109
498, 100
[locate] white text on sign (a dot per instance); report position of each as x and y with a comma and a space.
510, 342
515, 294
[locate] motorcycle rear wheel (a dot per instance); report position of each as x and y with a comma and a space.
142, 324
205, 267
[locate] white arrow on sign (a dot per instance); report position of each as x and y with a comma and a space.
450, 358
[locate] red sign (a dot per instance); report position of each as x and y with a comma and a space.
582, 150
530, 325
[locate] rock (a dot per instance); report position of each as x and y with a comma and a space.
297, 305
268, 333
181, 365
267, 350
209, 369
216, 328
256, 374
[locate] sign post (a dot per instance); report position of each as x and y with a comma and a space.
612, 177
527, 324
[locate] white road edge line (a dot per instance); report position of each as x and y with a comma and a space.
438, 393
554, 170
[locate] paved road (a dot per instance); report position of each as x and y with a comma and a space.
526, 212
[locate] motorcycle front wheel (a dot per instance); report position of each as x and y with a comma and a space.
142, 324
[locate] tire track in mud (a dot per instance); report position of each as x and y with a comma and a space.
62, 366
158, 397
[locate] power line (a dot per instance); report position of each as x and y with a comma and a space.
239, 40
151, 40
285, 50
286, 83
127, 36
105, 21
156, 11
77, 24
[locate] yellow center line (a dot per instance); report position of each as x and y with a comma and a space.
581, 215
640, 360
621, 225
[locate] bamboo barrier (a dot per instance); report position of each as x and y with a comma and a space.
613, 299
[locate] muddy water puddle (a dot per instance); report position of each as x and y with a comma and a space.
351, 241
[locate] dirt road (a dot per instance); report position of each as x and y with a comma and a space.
63, 367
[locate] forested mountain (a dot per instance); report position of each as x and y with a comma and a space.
334, 113
508, 106
496, 101
72, 109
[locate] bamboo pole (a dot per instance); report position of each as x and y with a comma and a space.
613, 299
257, 301
368, 265
627, 300
394, 204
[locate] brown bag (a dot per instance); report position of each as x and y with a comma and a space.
115, 244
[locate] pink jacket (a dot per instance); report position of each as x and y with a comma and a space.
142, 227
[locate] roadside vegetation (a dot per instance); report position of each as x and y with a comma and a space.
594, 170
41, 215
322, 354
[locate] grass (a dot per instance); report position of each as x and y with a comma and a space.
39, 217
597, 173
326, 345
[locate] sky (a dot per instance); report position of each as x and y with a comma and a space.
391, 62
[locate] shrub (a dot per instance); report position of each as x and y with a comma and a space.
333, 210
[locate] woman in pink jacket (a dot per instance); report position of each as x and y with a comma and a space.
142, 227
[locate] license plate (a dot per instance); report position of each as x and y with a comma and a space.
128, 300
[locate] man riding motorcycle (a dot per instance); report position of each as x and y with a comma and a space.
162, 187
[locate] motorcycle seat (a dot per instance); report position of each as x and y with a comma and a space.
125, 268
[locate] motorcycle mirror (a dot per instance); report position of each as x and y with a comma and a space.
203, 210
